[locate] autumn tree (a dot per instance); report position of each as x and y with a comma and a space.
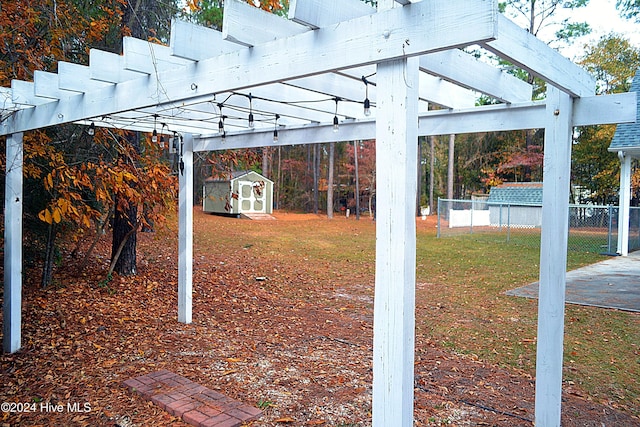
366, 157
72, 178
613, 62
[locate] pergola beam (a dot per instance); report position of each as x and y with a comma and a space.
367, 40
532, 54
110, 67
12, 297
603, 109
77, 78
554, 237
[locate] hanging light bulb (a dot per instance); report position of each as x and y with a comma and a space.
162, 136
367, 103
221, 122
336, 125
275, 129
92, 129
251, 122
175, 142
154, 135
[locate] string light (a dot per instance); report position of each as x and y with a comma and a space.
275, 129
336, 125
221, 122
367, 103
251, 122
154, 135
162, 135
174, 143
92, 129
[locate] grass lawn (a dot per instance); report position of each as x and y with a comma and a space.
461, 303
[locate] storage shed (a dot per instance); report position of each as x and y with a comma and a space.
241, 192
516, 204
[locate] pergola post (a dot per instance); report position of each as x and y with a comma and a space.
185, 230
624, 203
12, 304
394, 304
553, 257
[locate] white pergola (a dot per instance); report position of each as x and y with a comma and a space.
296, 76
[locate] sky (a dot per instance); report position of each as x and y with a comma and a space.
604, 18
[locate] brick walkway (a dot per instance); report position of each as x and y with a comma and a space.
195, 404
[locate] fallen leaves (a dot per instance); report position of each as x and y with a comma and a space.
297, 345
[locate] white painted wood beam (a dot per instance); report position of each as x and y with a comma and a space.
46, 86
395, 281
23, 93
488, 118
452, 65
6, 102
429, 26
463, 69
624, 204
432, 89
553, 256
195, 42
12, 298
185, 232
322, 13
441, 92
110, 67
77, 78
150, 58
251, 26
530, 53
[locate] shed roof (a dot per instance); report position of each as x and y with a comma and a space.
627, 136
524, 193
235, 175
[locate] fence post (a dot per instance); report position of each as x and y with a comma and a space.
508, 222
610, 229
471, 218
438, 220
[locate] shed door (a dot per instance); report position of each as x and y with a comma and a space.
252, 197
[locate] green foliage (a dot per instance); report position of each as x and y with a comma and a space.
613, 62
539, 14
629, 9
572, 30
593, 167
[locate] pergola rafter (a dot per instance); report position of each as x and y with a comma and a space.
305, 70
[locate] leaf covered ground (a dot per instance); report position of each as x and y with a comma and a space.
278, 323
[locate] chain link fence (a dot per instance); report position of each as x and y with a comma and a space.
592, 228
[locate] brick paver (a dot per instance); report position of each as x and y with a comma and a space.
195, 404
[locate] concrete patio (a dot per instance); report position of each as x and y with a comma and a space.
613, 283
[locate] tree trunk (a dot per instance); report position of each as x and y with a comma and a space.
125, 225
49, 255
357, 195
450, 168
332, 147
432, 165
266, 165
316, 176
123, 248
